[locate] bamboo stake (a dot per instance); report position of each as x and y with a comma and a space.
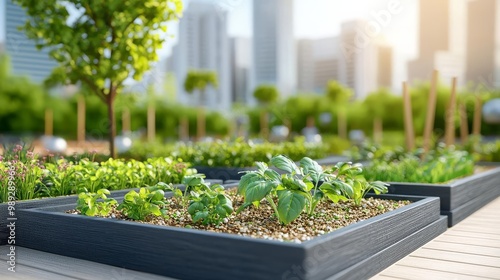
126, 121
464, 126
184, 129
264, 125
200, 123
342, 124
450, 115
431, 112
377, 130
49, 122
80, 131
476, 127
151, 123
409, 132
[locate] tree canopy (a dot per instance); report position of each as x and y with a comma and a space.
266, 94
337, 93
200, 80
102, 44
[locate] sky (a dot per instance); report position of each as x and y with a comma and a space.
322, 18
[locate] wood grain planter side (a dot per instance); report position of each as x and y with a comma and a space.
459, 198
52, 201
357, 251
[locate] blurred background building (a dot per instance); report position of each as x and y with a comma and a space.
483, 43
203, 43
25, 59
442, 41
274, 55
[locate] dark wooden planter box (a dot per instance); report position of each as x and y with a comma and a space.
459, 198
357, 251
51, 201
223, 173
234, 173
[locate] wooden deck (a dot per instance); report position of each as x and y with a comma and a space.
469, 250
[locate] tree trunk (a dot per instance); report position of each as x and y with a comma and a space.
112, 125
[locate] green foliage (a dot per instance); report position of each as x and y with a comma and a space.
46, 177
106, 44
266, 94
230, 154
21, 166
302, 187
200, 80
208, 204
63, 177
92, 204
337, 93
489, 151
439, 166
139, 205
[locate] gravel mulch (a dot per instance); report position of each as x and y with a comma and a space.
261, 222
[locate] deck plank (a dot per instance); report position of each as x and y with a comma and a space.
452, 267
414, 273
457, 257
469, 250
63, 267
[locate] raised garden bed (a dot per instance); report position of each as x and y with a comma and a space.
357, 251
233, 174
52, 201
459, 198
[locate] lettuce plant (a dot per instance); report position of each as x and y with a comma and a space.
207, 204
91, 204
302, 187
139, 205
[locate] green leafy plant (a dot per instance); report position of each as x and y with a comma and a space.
302, 187
208, 204
438, 166
92, 204
139, 205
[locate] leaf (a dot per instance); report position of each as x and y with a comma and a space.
256, 191
246, 180
195, 207
290, 205
193, 180
312, 168
379, 187
332, 192
283, 163
154, 209
200, 216
130, 196
273, 175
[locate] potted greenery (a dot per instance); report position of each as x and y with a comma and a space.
446, 173
31, 181
203, 231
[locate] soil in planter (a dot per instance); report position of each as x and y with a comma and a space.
261, 222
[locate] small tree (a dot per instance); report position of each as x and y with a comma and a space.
198, 80
339, 96
106, 43
376, 104
265, 95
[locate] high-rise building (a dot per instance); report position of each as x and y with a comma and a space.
203, 45
483, 43
25, 59
365, 62
442, 39
274, 54
241, 55
318, 63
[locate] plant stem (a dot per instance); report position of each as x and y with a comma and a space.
314, 195
273, 205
